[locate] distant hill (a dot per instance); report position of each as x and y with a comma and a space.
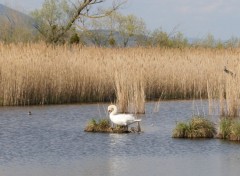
14, 18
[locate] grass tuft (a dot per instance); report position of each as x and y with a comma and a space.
229, 129
225, 128
103, 126
181, 130
197, 127
94, 126
235, 133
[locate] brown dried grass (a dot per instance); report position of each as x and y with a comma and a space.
40, 74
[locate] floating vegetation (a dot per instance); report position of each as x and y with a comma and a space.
229, 129
197, 127
104, 126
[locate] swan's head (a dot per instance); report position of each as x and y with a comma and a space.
112, 108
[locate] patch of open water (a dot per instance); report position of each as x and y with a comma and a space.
52, 142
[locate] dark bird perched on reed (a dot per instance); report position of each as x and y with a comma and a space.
229, 72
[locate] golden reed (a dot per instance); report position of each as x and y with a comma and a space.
41, 74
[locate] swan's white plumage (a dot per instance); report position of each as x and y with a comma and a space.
121, 119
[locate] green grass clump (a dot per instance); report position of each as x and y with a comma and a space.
229, 129
235, 133
104, 126
225, 128
181, 130
197, 127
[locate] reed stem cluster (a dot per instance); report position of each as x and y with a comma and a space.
40, 74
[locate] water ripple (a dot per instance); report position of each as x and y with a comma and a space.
53, 138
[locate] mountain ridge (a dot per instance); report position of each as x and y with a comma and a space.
14, 18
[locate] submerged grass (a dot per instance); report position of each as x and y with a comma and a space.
197, 127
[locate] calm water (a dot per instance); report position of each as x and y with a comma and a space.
51, 142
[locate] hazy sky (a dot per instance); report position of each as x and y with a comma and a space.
194, 18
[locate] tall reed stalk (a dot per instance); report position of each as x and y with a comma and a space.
130, 91
229, 95
40, 74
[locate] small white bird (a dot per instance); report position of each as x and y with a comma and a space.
121, 119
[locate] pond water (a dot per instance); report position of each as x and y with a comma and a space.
52, 142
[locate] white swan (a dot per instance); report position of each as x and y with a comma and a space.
121, 119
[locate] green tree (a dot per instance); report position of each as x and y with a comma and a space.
75, 39
207, 42
116, 30
58, 19
179, 41
130, 27
233, 42
172, 39
98, 32
160, 38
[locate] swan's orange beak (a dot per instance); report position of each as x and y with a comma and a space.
110, 110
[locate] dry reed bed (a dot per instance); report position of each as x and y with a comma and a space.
37, 74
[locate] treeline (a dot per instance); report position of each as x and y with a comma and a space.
58, 22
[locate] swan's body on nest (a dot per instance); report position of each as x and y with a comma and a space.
121, 119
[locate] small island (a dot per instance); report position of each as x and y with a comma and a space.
104, 126
197, 127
